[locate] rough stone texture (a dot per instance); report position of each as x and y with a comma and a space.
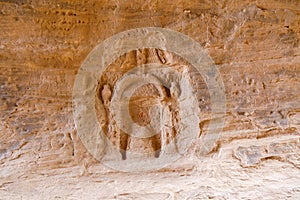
256, 47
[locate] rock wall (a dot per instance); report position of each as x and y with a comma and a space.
255, 46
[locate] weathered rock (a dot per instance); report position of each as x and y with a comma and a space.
283, 151
255, 46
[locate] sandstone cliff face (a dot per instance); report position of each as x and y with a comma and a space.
255, 46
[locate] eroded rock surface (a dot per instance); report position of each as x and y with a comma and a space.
255, 45
282, 151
